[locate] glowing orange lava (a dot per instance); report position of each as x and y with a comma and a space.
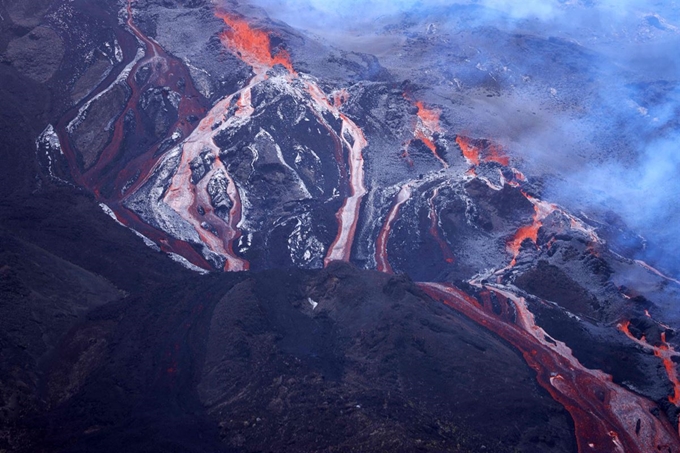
426, 127
607, 417
495, 154
470, 152
523, 233
490, 153
429, 117
541, 211
664, 352
252, 45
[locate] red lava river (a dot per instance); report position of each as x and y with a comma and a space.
607, 417
383, 264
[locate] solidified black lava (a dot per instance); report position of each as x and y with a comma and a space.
112, 338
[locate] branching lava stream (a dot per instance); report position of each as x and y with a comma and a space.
254, 47
664, 352
607, 417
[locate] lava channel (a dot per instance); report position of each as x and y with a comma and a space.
348, 215
382, 263
435, 228
606, 416
254, 47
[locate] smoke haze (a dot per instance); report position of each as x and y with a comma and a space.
600, 114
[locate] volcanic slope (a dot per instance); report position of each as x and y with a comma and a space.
272, 165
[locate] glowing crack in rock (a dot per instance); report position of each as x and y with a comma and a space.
663, 351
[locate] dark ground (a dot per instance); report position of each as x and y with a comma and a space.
106, 344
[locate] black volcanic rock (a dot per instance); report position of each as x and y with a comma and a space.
159, 107
550, 283
246, 362
107, 343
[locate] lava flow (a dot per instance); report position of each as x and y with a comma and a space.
664, 352
167, 71
427, 126
606, 416
127, 160
475, 155
348, 215
434, 229
383, 265
253, 46
541, 211
186, 202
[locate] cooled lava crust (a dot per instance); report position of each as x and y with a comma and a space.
400, 284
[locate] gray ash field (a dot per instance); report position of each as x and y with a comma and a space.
249, 226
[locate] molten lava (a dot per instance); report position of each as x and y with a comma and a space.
494, 153
427, 126
383, 265
664, 352
429, 117
541, 211
475, 154
253, 46
607, 417
524, 233
470, 152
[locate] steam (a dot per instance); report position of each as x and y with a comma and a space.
608, 134
352, 12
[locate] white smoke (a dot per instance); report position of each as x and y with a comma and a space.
635, 69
